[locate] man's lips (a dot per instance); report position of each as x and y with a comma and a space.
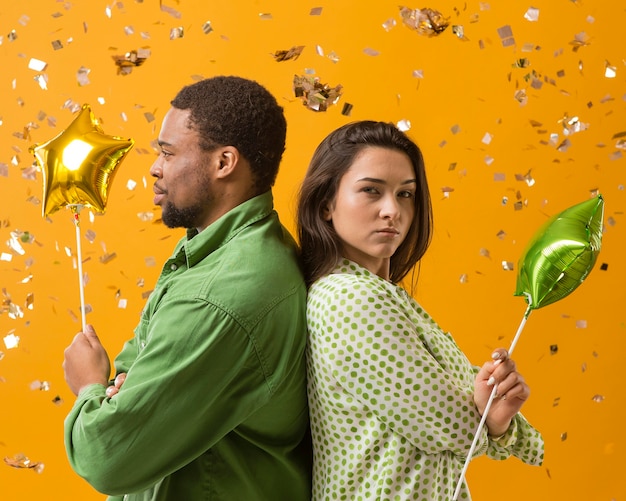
158, 194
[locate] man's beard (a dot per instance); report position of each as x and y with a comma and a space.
173, 217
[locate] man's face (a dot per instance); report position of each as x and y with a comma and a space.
183, 185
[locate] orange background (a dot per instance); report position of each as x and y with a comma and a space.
490, 197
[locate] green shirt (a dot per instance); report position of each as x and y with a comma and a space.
391, 396
214, 403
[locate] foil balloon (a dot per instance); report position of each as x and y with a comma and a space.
561, 254
79, 164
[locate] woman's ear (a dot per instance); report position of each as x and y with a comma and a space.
327, 213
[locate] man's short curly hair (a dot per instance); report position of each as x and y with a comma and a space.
234, 111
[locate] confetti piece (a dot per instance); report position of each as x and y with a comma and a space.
389, 24
554, 349
125, 63
371, 52
508, 266
316, 11
506, 35
609, 71
37, 65
315, 95
459, 31
178, 32
427, 22
404, 125
11, 341
22, 462
207, 28
532, 14
598, 398
286, 55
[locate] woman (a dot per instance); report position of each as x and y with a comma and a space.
394, 402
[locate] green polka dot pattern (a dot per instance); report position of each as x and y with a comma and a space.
390, 395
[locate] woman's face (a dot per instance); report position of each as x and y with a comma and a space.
374, 207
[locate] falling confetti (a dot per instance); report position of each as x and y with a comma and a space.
22, 462
285, 55
315, 95
125, 63
427, 22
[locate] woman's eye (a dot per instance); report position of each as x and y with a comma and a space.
406, 194
370, 189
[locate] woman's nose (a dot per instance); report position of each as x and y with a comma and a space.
389, 208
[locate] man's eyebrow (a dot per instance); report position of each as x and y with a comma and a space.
163, 143
381, 181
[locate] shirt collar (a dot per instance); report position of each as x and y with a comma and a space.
198, 245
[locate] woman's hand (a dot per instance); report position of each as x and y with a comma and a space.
117, 384
511, 391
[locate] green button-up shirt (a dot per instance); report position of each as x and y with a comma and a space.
214, 403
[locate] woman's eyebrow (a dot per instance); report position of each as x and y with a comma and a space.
382, 181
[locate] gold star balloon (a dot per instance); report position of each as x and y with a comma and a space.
79, 164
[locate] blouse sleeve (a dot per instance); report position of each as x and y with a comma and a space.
521, 440
364, 341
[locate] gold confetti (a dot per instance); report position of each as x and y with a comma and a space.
389, 24
506, 35
315, 95
125, 63
21, 461
178, 32
427, 22
36, 64
598, 398
285, 55
532, 14
11, 341
404, 125
207, 28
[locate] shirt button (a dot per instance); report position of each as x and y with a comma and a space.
174, 267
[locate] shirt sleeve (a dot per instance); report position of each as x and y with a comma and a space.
197, 377
126, 357
366, 342
521, 440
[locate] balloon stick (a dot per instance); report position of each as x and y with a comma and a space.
76, 210
488, 406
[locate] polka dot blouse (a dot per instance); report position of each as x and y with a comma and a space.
390, 395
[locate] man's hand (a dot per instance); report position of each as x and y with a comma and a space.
86, 361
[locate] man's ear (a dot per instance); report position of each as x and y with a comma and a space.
228, 160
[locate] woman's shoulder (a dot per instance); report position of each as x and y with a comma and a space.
349, 281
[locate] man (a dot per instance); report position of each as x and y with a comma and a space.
209, 402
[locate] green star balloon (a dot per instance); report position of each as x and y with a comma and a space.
561, 254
